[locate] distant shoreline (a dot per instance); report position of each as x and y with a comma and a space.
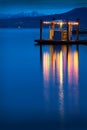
74, 32
34, 22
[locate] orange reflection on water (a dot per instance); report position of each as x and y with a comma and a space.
52, 61
58, 66
51, 57
53, 65
70, 66
76, 67
73, 67
61, 94
64, 50
46, 71
59, 61
46, 66
61, 68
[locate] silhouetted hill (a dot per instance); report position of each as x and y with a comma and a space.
25, 21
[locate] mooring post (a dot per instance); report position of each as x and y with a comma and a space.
41, 29
67, 25
77, 30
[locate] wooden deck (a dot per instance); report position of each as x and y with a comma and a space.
56, 42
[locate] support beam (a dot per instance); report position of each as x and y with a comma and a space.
41, 29
77, 30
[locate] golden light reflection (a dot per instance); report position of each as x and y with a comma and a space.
70, 66
52, 62
58, 66
53, 65
76, 67
46, 71
46, 66
61, 66
73, 67
73, 70
64, 50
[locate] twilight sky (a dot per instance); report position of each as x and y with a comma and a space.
42, 6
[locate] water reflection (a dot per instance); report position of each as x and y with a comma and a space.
73, 66
60, 65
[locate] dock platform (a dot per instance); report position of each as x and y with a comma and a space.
56, 42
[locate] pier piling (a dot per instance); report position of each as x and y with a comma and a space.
41, 29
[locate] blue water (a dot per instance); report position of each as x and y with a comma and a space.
44, 86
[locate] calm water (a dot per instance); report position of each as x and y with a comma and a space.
43, 86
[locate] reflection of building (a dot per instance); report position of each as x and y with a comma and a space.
58, 60
46, 66
76, 67
60, 67
72, 66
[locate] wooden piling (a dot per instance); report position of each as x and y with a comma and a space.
67, 25
41, 29
77, 30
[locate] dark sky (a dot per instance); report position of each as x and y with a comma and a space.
42, 6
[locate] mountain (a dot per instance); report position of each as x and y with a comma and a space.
28, 14
31, 20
